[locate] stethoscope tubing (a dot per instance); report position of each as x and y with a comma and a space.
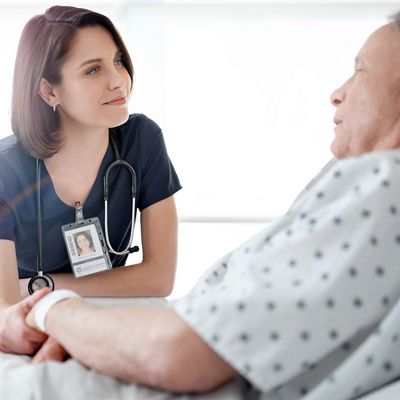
116, 163
119, 163
110, 248
39, 252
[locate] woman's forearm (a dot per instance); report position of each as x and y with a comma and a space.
154, 277
140, 280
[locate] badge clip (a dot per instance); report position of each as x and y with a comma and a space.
78, 213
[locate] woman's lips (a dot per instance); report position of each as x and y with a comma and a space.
117, 102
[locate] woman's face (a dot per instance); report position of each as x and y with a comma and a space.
95, 86
83, 242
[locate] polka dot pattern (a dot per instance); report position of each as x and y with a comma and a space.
310, 307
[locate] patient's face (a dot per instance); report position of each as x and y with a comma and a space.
368, 104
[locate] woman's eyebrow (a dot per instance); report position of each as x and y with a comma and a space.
90, 61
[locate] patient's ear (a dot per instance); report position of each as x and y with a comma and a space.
46, 92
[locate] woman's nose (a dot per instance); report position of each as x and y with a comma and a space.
116, 80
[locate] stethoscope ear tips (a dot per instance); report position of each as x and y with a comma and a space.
133, 249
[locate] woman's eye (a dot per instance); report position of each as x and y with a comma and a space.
118, 61
93, 71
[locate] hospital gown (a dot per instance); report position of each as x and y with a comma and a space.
309, 307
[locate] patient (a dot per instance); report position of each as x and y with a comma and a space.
308, 307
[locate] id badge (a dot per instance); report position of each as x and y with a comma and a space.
86, 247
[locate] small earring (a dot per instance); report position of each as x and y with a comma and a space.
54, 107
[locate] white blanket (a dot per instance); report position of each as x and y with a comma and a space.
20, 380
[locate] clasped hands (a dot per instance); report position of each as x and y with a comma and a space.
20, 335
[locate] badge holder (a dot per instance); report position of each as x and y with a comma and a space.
85, 244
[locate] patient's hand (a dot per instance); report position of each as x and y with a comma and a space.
15, 335
51, 350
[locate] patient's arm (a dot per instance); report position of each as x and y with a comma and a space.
150, 345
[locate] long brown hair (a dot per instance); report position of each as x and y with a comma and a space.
42, 50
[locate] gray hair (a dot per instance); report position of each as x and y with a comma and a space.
395, 18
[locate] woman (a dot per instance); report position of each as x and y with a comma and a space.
84, 243
72, 82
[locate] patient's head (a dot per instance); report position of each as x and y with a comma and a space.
367, 105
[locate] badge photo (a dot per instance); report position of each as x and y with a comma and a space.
86, 248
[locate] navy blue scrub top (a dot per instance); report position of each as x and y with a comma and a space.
140, 142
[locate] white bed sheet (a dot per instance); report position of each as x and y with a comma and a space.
20, 380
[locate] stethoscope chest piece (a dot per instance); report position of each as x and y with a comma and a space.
40, 282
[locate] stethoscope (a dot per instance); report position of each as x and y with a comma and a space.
42, 280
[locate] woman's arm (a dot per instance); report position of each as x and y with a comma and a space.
15, 335
153, 277
9, 293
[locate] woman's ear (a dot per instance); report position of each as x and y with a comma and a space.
46, 92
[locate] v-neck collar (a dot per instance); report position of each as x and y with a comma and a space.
50, 197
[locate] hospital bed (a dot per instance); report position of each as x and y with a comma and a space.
21, 380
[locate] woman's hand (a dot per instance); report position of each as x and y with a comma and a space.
51, 350
15, 335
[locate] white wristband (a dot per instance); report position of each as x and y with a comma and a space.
43, 305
